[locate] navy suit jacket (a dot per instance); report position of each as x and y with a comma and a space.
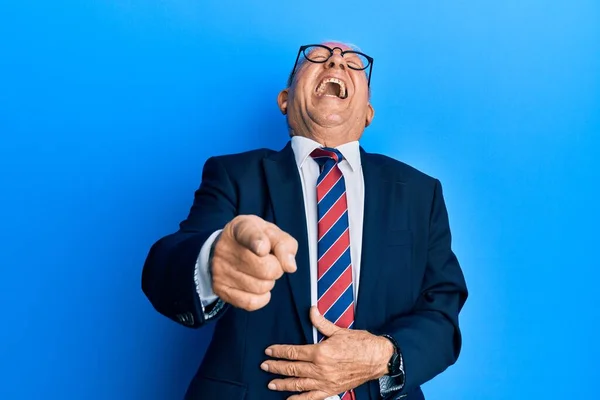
411, 285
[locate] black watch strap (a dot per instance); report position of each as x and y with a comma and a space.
396, 363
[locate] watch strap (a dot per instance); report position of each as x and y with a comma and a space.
392, 371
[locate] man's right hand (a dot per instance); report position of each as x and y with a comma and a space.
249, 256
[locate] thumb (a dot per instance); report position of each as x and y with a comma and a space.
323, 325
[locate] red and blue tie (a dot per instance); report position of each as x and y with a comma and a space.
335, 296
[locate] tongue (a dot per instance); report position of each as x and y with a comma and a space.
332, 89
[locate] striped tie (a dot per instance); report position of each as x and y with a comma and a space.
335, 299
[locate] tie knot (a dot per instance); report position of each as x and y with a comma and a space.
324, 154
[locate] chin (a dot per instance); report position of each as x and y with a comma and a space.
334, 118
327, 119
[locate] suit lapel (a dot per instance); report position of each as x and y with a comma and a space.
285, 191
375, 222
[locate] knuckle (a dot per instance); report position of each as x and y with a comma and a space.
277, 272
244, 219
271, 230
298, 386
266, 286
233, 227
270, 268
247, 303
256, 286
255, 302
292, 353
319, 357
291, 370
293, 244
288, 240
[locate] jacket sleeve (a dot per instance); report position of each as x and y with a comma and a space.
429, 337
168, 273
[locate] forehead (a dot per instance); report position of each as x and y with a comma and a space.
342, 46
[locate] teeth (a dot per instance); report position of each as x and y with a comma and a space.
322, 85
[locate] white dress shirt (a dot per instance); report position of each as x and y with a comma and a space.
309, 173
308, 168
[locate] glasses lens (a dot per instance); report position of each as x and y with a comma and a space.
317, 54
356, 60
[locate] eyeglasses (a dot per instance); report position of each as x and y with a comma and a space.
318, 53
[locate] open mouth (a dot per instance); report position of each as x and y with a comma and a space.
332, 87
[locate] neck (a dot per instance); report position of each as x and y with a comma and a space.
328, 137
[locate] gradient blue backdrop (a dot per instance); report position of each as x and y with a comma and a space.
108, 110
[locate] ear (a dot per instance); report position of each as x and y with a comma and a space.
282, 100
370, 115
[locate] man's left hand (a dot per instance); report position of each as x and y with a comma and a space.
346, 359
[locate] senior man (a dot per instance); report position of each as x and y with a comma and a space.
328, 270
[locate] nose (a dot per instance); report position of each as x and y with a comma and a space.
336, 60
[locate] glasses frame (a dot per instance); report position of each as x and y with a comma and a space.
342, 52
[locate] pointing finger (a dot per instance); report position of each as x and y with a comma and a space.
283, 246
248, 231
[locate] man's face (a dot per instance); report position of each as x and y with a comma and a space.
328, 94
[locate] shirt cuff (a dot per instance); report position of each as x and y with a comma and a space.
203, 279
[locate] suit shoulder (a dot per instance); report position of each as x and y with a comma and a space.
239, 166
407, 172
244, 158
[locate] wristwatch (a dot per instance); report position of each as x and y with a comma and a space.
396, 363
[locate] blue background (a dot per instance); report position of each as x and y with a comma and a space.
108, 110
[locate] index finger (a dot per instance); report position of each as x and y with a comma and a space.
283, 246
292, 352
248, 231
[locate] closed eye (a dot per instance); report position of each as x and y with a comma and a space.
355, 64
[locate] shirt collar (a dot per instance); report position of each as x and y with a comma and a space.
302, 148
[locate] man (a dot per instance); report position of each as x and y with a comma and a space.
361, 237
